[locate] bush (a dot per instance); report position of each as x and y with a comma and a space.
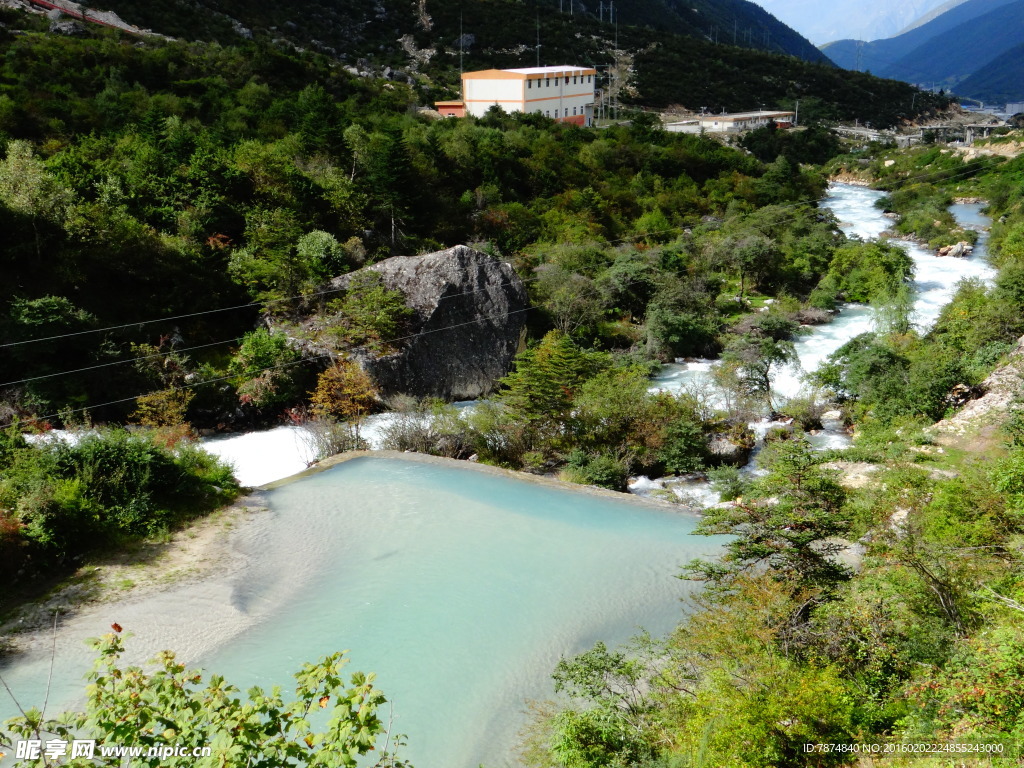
329, 437
602, 470
105, 488
265, 370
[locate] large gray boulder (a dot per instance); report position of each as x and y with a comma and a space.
468, 322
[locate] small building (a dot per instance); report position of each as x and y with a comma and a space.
563, 92
735, 122
450, 108
1014, 108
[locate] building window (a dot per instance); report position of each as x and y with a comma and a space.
590, 78
574, 79
556, 113
566, 79
574, 111
547, 113
547, 82
529, 83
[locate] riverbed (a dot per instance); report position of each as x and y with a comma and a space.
935, 281
460, 586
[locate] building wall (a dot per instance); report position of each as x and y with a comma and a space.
726, 124
480, 95
562, 97
451, 109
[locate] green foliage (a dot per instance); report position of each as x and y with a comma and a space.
749, 361
685, 445
815, 144
370, 314
788, 524
266, 369
601, 469
609, 731
728, 483
895, 376
105, 488
863, 272
168, 703
547, 377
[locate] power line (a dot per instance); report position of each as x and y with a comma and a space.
325, 356
205, 346
118, 362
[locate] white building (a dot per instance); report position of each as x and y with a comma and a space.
564, 93
733, 122
1014, 108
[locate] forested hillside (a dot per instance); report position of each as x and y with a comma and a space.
354, 29
720, 55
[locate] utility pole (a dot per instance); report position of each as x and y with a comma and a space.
461, 41
538, 38
616, 102
796, 117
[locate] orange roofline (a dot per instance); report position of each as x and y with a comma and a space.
492, 74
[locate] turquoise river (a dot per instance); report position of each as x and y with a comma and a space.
459, 587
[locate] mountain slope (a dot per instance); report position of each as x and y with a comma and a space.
934, 13
999, 81
351, 29
862, 19
880, 56
951, 56
419, 44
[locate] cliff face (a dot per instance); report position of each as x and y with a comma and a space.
470, 312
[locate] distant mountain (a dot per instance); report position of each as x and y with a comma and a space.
892, 57
999, 81
952, 56
733, 22
824, 22
934, 13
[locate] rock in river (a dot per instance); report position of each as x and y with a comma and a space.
468, 322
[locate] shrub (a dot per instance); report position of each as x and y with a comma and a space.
265, 367
603, 470
107, 487
344, 391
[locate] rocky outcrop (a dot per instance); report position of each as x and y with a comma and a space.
469, 317
990, 409
69, 28
732, 447
961, 250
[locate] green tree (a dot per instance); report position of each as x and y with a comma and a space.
370, 314
547, 377
754, 358
265, 366
168, 703
26, 187
789, 523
